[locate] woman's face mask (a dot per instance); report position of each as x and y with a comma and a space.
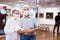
16, 16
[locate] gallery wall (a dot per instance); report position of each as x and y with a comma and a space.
43, 11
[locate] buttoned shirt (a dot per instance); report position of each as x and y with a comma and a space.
28, 23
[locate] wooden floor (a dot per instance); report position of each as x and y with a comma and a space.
44, 36
47, 36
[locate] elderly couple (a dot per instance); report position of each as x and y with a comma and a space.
21, 29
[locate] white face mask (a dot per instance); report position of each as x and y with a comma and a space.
3, 11
26, 13
17, 17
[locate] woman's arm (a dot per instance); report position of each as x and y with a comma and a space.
7, 29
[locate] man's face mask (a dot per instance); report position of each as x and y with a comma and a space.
26, 13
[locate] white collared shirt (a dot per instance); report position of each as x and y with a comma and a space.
11, 26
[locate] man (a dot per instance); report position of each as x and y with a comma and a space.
12, 26
57, 23
30, 25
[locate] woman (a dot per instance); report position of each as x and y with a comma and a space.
12, 26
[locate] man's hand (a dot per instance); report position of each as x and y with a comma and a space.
28, 32
21, 31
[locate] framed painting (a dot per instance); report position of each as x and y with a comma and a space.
41, 15
49, 15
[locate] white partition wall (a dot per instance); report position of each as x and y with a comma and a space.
43, 10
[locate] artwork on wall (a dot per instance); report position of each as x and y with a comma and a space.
49, 15
41, 15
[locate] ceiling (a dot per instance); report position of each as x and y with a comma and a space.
35, 2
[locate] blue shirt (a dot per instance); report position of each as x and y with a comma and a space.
28, 23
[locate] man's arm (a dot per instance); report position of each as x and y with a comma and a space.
21, 31
35, 29
28, 31
31, 31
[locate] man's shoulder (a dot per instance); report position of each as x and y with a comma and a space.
32, 18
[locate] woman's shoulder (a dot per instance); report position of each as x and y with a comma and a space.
10, 19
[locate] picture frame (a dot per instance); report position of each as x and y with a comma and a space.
49, 15
41, 15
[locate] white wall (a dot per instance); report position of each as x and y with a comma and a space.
55, 11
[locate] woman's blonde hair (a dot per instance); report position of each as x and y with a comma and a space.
15, 9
